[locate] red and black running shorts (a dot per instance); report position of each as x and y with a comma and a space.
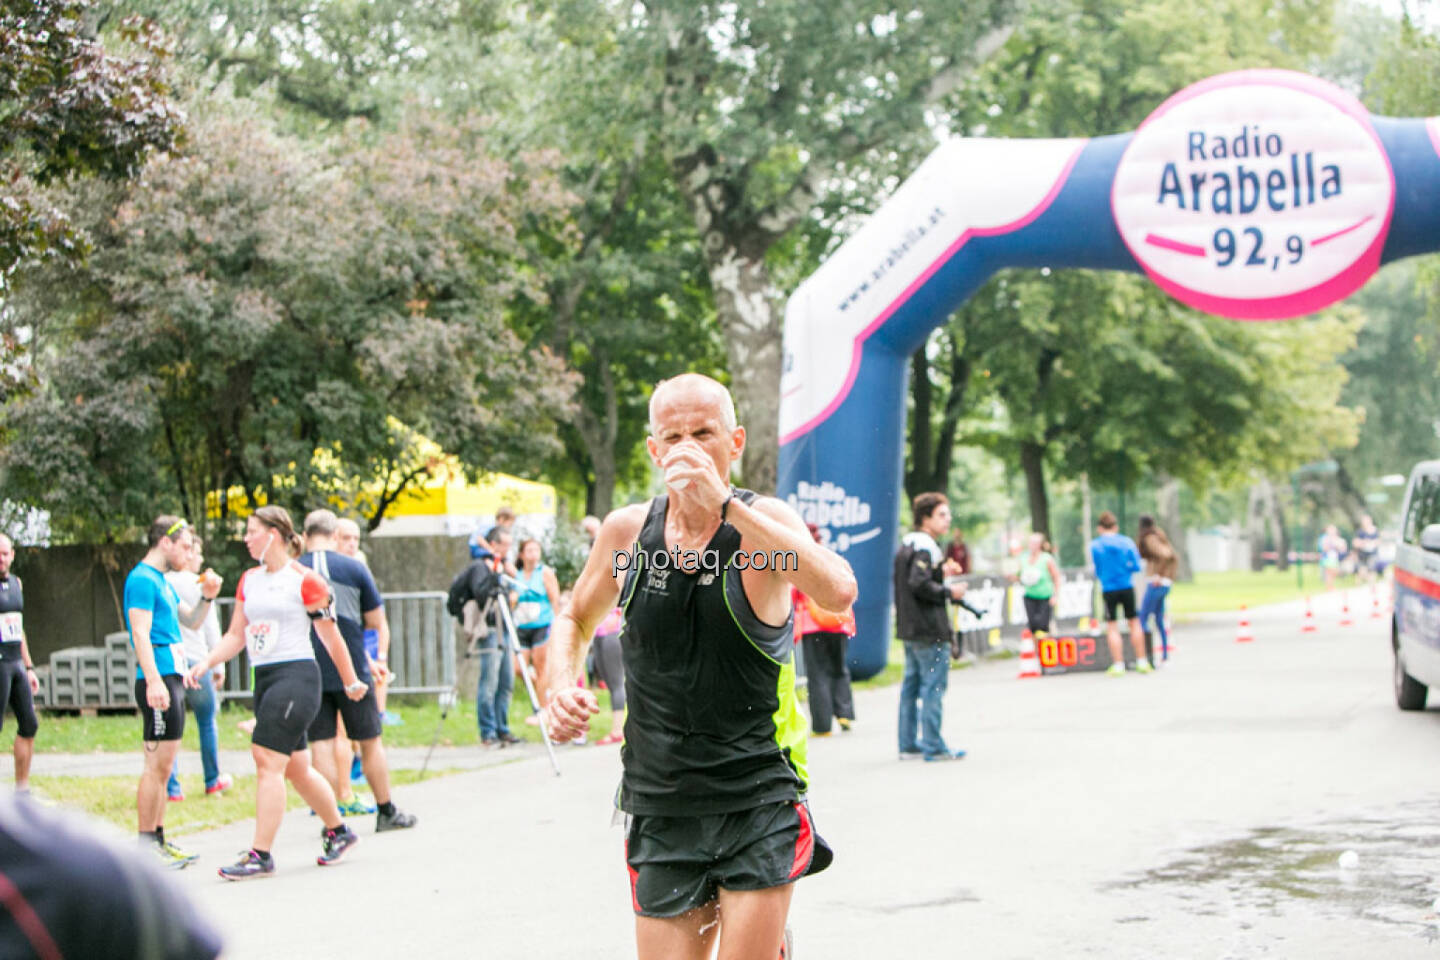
680, 863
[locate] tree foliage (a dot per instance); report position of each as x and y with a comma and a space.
255, 302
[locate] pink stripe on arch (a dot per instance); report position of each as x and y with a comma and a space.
921, 280
1165, 243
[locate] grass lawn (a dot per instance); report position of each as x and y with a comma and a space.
113, 799
1220, 592
120, 733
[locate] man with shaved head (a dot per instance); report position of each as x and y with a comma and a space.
715, 775
18, 683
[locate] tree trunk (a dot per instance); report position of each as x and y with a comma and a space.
750, 315
1256, 513
1278, 530
922, 391
1032, 461
1352, 501
1168, 507
1087, 524
598, 431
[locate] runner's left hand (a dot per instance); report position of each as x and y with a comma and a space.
34, 682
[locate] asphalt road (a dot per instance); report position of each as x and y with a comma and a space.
1198, 812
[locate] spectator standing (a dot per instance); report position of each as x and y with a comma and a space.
610, 670
535, 606
924, 625
1332, 549
1367, 547
1116, 561
1040, 576
959, 552
824, 635
1161, 566
197, 645
17, 671
497, 677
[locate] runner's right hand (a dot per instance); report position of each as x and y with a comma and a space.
157, 695
569, 712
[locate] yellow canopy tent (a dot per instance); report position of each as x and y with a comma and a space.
445, 504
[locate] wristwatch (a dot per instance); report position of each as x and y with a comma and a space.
357, 685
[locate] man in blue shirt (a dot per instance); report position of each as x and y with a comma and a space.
1116, 562
153, 615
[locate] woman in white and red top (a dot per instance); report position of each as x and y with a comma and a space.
275, 605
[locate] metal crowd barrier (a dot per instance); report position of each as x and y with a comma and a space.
422, 646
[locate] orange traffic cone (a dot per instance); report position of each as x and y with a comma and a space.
1308, 624
1345, 618
1243, 634
1029, 661
1375, 613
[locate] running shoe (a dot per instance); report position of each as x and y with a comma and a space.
334, 846
399, 820
844, 723
1115, 670
357, 773
249, 865
355, 807
172, 858
175, 797
1143, 666
222, 783
816, 733
179, 854
392, 719
610, 738
507, 738
787, 946
944, 755
911, 754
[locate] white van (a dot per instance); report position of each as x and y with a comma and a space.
1415, 627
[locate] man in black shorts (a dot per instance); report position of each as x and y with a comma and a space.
715, 750
358, 607
153, 614
18, 683
1117, 560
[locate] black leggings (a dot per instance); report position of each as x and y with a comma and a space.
610, 669
15, 691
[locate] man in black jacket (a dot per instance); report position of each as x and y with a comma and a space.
923, 623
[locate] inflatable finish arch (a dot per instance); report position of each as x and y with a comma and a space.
1256, 195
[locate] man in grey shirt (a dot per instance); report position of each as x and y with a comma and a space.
202, 701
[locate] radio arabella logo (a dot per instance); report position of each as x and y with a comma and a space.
1261, 194
828, 506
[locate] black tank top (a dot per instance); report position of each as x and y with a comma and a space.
714, 725
12, 606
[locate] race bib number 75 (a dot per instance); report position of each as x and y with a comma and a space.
260, 634
12, 627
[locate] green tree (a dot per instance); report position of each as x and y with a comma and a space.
68, 108
765, 110
267, 315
